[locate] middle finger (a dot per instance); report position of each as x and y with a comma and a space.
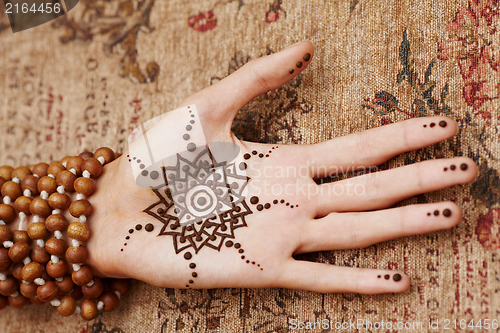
383, 189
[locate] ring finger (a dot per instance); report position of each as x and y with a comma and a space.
338, 231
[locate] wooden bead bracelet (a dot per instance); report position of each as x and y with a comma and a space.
35, 268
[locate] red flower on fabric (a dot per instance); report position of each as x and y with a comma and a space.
273, 14
203, 21
488, 229
474, 41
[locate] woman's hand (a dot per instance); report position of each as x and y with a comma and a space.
280, 211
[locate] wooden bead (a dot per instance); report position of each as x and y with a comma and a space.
76, 255
93, 166
47, 184
19, 251
18, 302
88, 309
95, 291
5, 261
75, 162
86, 154
54, 168
66, 285
40, 207
5, 233
65, 159
82, 276
37, 230
56, 222
59, 201
20, 236
36, 300
67, 306
56, 247
79, 231
28, 290
22, 204
32, 271
3, 302
8, 286
7, 213
105, 152
6, 171
2, 181
40, 169
110, 300
84, 186
120, 285
66, 179
21, 172
117, 155
40, 255
30, 183
11, 189
80, 207
57, 270
48, 291
17, 269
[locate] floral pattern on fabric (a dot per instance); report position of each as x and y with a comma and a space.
474, 42
206, 21
120, 21
274, 12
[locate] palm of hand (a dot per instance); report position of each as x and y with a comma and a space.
282, 211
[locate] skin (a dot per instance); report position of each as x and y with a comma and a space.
329, 216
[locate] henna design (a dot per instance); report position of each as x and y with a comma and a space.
463, 167
148, 227
201, 204
442, 124
446, 213
396, 277
255, 201
255, 153
299, 64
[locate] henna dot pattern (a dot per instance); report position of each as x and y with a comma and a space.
446, 213
307, 57
138, 227
255, 200
299, 64
453, 167
442, 124
291, 71
247, 156
396, 277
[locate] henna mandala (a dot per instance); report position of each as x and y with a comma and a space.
200, 191
201, 204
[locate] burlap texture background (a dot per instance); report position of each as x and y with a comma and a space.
88, 78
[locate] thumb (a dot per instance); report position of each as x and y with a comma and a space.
219, 104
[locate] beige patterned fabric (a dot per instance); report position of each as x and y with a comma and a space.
88, 78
